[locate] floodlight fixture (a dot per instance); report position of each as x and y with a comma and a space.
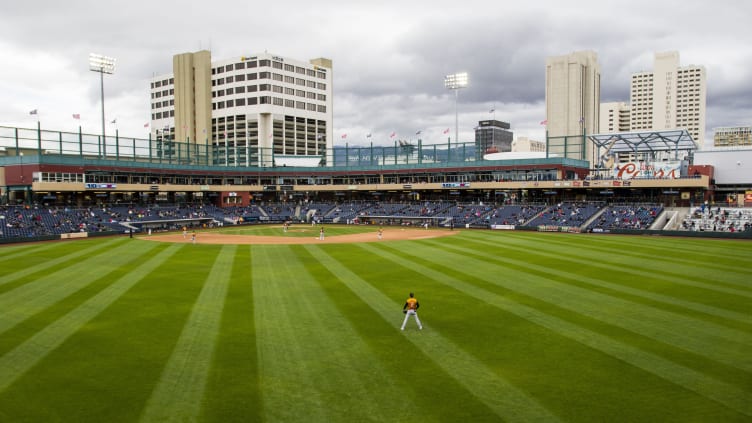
102, 65
455, 82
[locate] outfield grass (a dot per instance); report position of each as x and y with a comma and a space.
517, 327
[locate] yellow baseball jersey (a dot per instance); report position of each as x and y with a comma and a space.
412, 303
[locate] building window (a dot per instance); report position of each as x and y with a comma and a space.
265, 75
252, 76
300, 105
252, 101
240, 65
277, 77
290, 103
300, 70
240, 89
252, 88
252, 64
230, 103
311, 107
322, 109
265, 99
265, 87
277, 101
277, 65
265, 62
300, 93
321, 75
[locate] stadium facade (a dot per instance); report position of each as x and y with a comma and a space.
258, 128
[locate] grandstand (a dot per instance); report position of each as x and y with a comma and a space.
53, 183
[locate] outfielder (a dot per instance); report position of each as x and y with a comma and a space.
411, 309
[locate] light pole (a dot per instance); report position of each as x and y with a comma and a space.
454, 82
103, 65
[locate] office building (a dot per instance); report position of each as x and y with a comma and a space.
736, 136
526, 145
614, 117
250, 110
493, 136
669, 97
573, 85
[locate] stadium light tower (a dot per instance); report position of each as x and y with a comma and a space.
103, 65
454, 82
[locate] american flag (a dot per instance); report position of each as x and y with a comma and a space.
446, 131
544, 122
146, 125
34, 112
76, 116
393, 134
344, 136
418, 132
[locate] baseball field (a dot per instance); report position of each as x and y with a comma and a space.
257, 324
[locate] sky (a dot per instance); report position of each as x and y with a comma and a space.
389, 57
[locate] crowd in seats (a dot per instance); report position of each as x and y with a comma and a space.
726, 219
513, 214
567, 214
626, 217
36, 221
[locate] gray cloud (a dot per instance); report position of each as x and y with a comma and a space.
389, 58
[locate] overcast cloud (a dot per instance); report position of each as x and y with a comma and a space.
389, 58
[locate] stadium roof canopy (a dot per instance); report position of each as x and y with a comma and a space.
650, 141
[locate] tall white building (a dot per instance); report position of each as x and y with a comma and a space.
614, 117
669, 97
524, 144
246, 110
573, 95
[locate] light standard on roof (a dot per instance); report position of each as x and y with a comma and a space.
455, 82
103, 65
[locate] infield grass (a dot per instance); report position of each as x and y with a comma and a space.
518, 326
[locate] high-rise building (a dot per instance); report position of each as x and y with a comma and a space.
493, 136
525, 144
732, 136
614, 117
669, 97
573, 95
247, 109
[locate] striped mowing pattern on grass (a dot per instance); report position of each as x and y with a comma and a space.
717, 342
308, 352
53, 263
506, 400
180, 390
727, 394
28, 299
518, 326
23, 357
